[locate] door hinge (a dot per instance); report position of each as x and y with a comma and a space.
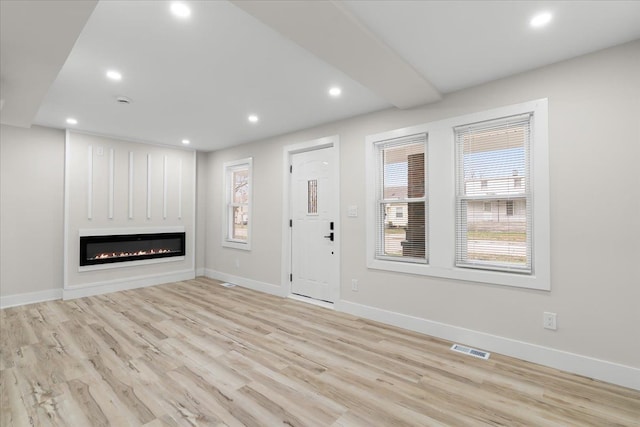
290, 168
290, 223
290, 277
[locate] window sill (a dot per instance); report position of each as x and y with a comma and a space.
518, 280
246, 246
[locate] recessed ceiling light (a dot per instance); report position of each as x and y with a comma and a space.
253, 118
186, 141
180, 10
540, 20
114, 75
123, 100
72, 121
335, 91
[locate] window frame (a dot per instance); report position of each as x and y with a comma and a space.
227, 204
463, 198
441, 208
380, 146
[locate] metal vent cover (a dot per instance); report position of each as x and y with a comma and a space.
471, 351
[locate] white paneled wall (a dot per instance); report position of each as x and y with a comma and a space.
115, 184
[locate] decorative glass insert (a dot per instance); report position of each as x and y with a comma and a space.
312, 197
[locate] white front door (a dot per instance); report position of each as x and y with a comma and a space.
314, 209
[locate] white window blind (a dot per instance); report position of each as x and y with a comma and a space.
401, 199
494, 200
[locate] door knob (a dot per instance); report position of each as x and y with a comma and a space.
330, 236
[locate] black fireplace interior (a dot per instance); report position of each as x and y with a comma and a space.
130, 247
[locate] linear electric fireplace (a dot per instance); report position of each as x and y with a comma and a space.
130, 247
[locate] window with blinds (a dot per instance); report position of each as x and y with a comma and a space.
480, 213
237, 204
401, 199
494, 200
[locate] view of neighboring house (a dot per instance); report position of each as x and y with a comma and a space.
395, 213
508, 209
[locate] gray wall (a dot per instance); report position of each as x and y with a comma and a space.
594, 137
31, 209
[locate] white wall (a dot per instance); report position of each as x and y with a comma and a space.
594, 134
171, 192
31, 210
262, 263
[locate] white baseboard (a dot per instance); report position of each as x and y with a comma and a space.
200, 272
603, 370
247, 283
126, 284
30, 298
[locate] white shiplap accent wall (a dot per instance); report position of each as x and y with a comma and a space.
119, 185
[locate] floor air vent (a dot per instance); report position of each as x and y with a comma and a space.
471, 351
228, 285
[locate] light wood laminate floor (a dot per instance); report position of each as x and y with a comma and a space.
196, 354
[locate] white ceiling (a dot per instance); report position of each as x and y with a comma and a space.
35, 40
459, 44
199, 78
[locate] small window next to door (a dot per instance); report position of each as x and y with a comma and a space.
237, 204
312, 197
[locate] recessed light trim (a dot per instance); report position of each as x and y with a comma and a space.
114, 75
186, 142
335, 91
72, 121
253, 118
123, 100
541, 19
180, 10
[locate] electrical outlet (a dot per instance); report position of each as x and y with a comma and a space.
549, 320
354, 285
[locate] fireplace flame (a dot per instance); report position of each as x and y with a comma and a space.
105, 255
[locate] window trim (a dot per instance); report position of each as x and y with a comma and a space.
441, 163
227, 170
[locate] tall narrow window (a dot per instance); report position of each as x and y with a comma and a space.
401, 205
489, 155
237, 215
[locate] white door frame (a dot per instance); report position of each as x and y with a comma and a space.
288, 151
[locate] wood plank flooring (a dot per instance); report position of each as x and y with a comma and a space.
197, 354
